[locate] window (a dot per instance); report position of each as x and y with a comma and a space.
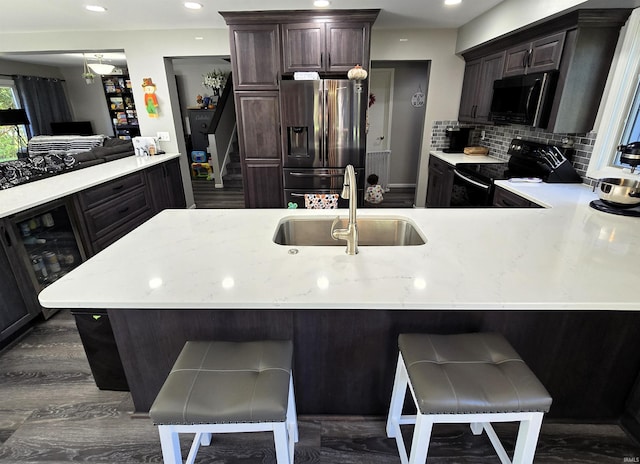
9, 139
620, 117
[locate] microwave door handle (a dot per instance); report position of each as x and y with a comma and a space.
529, 97
543, 90
471, 181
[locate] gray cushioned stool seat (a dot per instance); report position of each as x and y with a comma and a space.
470, 373
226, 382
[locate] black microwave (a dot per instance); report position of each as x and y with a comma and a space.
523, 99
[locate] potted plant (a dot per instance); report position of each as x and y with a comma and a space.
88, 77
214, 80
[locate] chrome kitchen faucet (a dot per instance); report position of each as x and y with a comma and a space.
349, 192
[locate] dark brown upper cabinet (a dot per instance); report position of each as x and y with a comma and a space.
477, 90
537, 56
325, 47
579, 45
255, 56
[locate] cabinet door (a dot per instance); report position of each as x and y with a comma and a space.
469, 90
515, 62
546, 53
504, 199
347, 46
491, 70
14, 312
263, 184
439, 183
165, 186
260, 154
255, 56
258, 115
538, 56
303, 47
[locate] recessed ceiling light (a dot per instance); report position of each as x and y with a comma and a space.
452, 2
192, 5
199, 38
321, 3
96, 8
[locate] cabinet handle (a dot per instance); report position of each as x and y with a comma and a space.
118, 187
529, 58
321, 59
329, 60
123, 210
524, 59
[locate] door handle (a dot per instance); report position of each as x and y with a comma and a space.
471, 181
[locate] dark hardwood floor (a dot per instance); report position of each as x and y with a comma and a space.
206, 196
51, 412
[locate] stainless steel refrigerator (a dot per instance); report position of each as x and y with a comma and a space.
323, 130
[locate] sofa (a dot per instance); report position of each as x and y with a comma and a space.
48, 155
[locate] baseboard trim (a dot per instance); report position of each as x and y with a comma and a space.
402, 185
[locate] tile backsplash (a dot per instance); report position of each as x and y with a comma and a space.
498, 138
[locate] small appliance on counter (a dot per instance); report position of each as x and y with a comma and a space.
458, 139
630, 154
618, 196
548, 162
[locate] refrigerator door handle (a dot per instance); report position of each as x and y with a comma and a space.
306, 174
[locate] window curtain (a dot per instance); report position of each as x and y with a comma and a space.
44, 100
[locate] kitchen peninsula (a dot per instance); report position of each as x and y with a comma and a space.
560, 283
69, 216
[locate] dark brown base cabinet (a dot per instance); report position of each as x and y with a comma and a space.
344, 360
83, 224
439, 183
164, 182
14, 311
504, 199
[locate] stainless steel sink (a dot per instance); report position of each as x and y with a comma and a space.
372, 231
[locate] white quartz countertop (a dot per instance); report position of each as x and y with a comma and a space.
566, 257
455, 158
25, 196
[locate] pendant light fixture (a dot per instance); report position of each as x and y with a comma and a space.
100, 67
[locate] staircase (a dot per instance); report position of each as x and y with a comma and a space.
232, 177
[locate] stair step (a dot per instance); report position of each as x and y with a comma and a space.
232, 180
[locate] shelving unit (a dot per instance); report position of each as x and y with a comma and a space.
122, 108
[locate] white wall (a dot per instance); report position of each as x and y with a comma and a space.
445, 79
87, 101
507, 17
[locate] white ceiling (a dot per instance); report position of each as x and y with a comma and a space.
63, 15
27, 16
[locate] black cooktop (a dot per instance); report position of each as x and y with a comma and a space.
484, 172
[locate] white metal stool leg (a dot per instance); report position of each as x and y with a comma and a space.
421, 439
170, 444
281, 440
527, 440
399, 391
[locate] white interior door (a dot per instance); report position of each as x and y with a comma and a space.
381, 88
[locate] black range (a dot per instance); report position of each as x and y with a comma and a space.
473, 183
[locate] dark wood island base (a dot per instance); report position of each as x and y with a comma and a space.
344, 360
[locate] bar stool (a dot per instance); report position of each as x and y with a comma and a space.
226, 387
466, 378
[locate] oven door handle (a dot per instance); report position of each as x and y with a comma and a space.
471, 181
